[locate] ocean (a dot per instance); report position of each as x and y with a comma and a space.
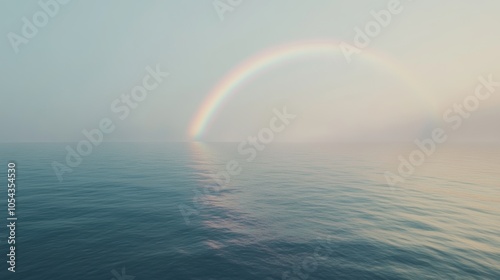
198, 211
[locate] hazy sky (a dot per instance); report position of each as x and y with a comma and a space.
65, 78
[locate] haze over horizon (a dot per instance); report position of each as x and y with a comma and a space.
66, 78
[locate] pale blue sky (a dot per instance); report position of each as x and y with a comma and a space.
93, 51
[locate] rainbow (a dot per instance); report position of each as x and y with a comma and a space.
263, 61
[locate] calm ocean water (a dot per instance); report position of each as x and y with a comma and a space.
295, 212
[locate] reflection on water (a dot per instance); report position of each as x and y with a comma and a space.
297, 211
443, 220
